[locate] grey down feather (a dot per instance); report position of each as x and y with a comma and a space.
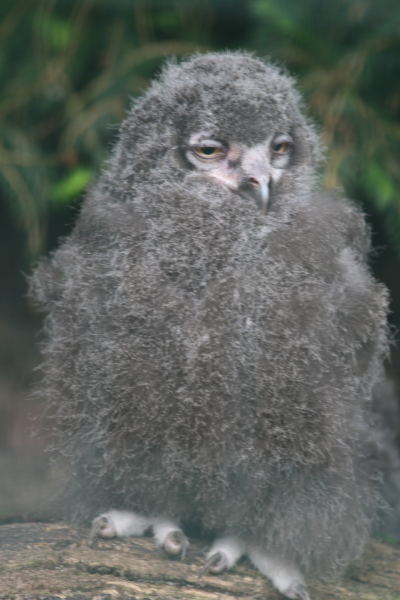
203, 360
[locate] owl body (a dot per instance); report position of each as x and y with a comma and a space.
208, 361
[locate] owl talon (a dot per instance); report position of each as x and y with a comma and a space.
176, 543
216, 563
102, 526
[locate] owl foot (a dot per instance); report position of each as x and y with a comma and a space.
170, 537
285, 577
119, 523
298, 591
122, 523
225, 552
101, 527
216, 563
176, 543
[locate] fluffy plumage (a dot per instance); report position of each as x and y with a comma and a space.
208, 362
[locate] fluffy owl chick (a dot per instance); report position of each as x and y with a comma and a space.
214, 333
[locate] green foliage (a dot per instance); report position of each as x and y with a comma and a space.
68, 68
70, 186
55, 31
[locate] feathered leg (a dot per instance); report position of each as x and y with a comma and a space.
119, 523
283, 575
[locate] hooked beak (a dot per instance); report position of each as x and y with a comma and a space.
256, 188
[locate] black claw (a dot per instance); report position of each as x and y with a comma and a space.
215, 564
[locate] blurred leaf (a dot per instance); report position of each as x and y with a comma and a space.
380, 185
70, 186
277, 16
166, 18
54, 30
23, 172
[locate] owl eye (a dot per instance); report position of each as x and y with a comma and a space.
208, 151
281, 148
281, 145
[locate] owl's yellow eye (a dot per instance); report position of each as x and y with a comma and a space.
281, 144
208, 152
280, 147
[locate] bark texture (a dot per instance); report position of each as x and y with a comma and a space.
54, 561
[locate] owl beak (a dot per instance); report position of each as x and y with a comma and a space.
257, 189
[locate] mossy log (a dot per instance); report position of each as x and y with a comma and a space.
54, 561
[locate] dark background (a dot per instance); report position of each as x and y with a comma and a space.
67, 71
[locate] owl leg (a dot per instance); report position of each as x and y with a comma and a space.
284, 576
169, 536
224, 553
119, 523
